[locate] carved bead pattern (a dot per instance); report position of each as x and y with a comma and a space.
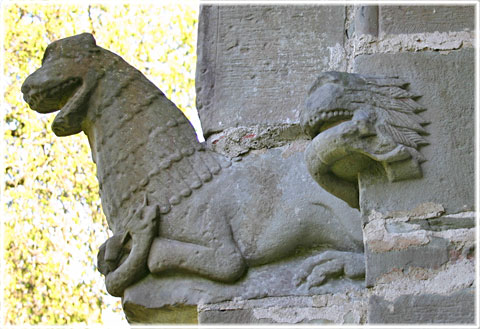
125, 196
127, 117
195, 184
182, 178
226, 164
186, 192
138, 109
165, 164
133, 189
187, 151
149, 100
171, 123
206, 177
107, 103
110, 133
165, 209
144, 181
176, 156
174, 200
154, 172
215, 169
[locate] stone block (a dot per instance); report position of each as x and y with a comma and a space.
255, 63
138, 314
339, 308
424, 295
366, 20
228, 316
422, 238
446, 81
458, 307
418, 19
431, 255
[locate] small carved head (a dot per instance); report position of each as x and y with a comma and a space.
356, 121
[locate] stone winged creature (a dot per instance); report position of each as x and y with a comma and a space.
173, 204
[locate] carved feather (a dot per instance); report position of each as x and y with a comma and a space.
400, 119
396, 110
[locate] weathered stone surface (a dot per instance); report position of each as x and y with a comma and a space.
426, 295
255, 63
234, 142
414, 239
366, 20
458, 307
413, 19
238, 316
175, 206
271, 280
256, 199
446, 82
419, 254
418, 42
137, 314
257, 236
455, 275
430, 255
340, 308
286, 252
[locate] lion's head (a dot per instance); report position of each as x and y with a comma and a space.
71, 68
357, 121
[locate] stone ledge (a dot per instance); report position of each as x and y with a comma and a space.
458, 307
412, 19
339, 308
233, 142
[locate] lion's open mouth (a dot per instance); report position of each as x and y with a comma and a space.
328, 119
53, 98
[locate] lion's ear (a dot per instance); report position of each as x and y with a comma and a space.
78, 43
71, 46
86, 39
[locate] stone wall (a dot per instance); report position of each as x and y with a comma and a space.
255, 65
419, 235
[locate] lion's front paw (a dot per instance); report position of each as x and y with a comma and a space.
143, 221
111, 252
319, 269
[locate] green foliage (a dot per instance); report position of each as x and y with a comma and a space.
53, 222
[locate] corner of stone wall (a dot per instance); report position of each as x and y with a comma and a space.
420, 235
420, 252
420, 266
339, 308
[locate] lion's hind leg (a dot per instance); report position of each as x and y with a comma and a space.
220, 262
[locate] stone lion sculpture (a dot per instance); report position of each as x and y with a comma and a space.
172, 204
360, 123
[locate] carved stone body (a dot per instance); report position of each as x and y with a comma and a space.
172, 204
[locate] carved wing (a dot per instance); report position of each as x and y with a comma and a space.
397, 111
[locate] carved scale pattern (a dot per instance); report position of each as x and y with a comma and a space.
146, 146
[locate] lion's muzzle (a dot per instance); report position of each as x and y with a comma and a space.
48, 95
